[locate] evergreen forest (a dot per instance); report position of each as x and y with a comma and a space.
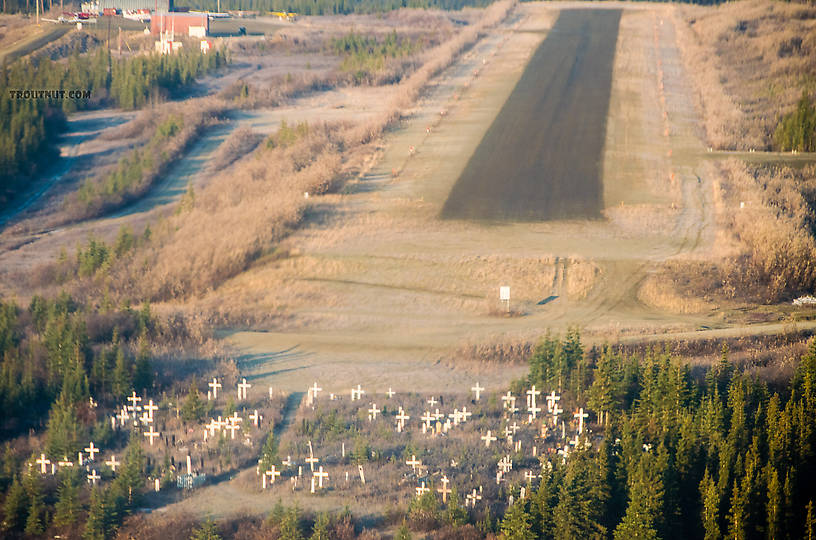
29, 127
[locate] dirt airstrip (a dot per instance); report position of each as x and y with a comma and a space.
377, 279
541, 158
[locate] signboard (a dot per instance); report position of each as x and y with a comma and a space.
504, 294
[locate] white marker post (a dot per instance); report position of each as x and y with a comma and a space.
504, 296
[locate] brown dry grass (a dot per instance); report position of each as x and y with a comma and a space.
774, 225
750, 62
239, 143
240, 216
766, 249
658, 292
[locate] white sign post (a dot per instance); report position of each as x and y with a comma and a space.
504, 296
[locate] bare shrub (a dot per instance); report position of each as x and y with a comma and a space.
239, 143
657, 291
241, 216
750, 62
109, 190
770, 220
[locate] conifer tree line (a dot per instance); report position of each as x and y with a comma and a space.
56, 354
329, 7
28, 127
364, 56
797, 129
725, 456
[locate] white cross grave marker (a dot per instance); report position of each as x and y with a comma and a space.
320, 475
133, 398
150, 407
272, 474
93, 477
488, 439
215, 385
444, 489
531, 396
472, 498
43, 462
92, 450
243, 386
401, 419
373, 412
556, 411
112, 463
478, 389
414, 463
151, 434
552, 398
580, 415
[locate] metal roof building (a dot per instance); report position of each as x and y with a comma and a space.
133, 5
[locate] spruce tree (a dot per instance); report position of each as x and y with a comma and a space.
207, 531
98, 516
774, 506
645, 503
269, 452
290, 528
455, 514
516, 523
122, 380
35, 520
320, 529
67, 508
711, 508
15, 508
